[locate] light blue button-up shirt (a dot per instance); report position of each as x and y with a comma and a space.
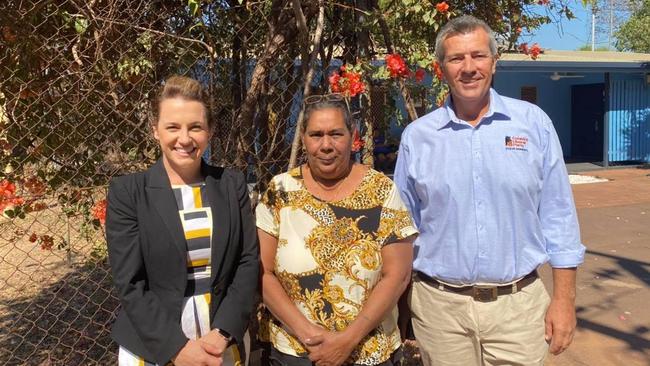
492, 202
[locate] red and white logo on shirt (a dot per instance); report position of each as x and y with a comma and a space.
516, 143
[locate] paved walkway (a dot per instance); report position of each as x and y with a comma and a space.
613, 285
626, 186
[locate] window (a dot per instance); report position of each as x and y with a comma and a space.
529, 94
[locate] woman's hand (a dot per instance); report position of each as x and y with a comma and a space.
198, 353
275, 297
330, 348
215, 338
309, 333
335, 348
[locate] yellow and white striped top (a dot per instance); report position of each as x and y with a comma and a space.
196, 218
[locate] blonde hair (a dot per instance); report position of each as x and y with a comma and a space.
185, 88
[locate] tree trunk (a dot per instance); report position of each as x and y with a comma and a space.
367, 156
367, 150
408, 102
283, 30
318, 34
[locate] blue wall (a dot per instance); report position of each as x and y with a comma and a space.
629, 108
629, 118
554, 97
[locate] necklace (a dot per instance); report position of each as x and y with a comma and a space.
333, 190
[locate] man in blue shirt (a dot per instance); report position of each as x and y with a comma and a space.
487, 186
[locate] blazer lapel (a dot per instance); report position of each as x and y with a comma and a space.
217, 193
160, 190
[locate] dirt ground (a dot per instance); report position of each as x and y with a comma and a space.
613, 284
613, 287
612, 306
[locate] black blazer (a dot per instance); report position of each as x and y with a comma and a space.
147, 252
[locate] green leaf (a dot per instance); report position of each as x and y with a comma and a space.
146, 40
66, 16
194, 6
197, 25
381, 73
80, 25
427, 17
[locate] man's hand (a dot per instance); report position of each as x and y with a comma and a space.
560, 323
197, 353
330, 348
560, 320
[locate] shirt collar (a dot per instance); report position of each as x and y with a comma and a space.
496, 111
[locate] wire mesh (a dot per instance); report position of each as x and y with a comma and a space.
76, 81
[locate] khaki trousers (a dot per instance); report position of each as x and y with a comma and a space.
453, 329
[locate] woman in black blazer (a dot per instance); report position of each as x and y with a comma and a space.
182, 245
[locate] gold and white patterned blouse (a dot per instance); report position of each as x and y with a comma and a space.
329, 257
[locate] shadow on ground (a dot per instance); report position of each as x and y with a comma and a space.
626, 270
631, 267
66, 323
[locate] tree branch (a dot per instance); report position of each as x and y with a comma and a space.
408, 101
303, 34
318, 35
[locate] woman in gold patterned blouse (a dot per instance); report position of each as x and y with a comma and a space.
336, 248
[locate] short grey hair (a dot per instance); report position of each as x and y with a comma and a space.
462, 25
329, 104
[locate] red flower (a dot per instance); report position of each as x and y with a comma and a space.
99, 211
33, 237
543, 2
16, 201
34, 186
7, 188
442, 7
419, 75
523, 48
534, 51
355, 84
39, 206
8, 34
437, 70
5, 146
8, 195
357, 142
47, 242
349, 83
396, 66
334, 82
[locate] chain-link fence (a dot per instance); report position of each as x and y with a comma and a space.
76, 81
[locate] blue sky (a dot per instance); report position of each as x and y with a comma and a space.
569, 35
